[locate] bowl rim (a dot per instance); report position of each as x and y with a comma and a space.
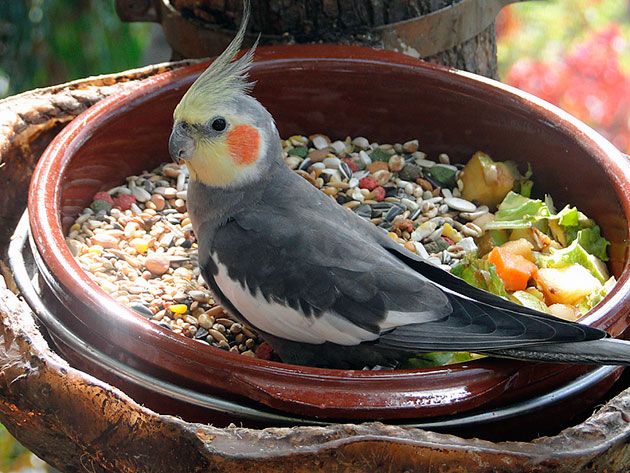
135, 376
45, 198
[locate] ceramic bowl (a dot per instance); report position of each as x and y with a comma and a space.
338, 91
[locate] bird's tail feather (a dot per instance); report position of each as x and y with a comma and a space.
605, 351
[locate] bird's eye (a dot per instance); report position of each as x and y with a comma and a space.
185, 126
219, 124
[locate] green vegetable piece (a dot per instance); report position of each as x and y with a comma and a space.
299, 151
427, 360
379, 154
522, 182
444, 175
591, 240
480, 273
549, 203
99, 205
526, 188
499, 237
517, 211
568, 216
596, 297
518, 207
574, 254
526, 299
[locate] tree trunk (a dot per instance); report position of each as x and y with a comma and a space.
346, 22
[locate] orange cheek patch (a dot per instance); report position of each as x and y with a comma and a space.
243, 142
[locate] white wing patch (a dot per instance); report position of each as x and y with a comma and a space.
283, 321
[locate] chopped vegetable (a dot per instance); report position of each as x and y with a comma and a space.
550, 261
574, 254
480, 273
564, 311
593, 242
568, 216
596, 297
539, 240
521, 247
485, 180
527, 299
566, 285
426, 360
491, 239
523, 183
517, 211
514, 270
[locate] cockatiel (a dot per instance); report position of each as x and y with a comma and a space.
321, 285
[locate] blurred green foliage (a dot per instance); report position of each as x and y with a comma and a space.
44, 42
13, 456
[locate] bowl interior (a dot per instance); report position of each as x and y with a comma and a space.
338, 91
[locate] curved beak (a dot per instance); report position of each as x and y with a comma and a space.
180, 144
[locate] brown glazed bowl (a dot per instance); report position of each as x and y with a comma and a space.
338, 91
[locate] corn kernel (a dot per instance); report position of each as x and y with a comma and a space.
449, 232
393, 236
178, 308
140, 245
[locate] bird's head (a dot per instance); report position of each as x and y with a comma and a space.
220, 132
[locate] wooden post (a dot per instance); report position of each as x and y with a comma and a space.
455, 33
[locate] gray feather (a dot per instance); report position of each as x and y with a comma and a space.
607, 351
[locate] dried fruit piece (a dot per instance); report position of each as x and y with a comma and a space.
124, 201
485, 180
379, 194
368, 183
103, 196
351, 164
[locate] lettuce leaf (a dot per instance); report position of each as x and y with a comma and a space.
522, 182
526, 299
518, 211
591, 240
480, 273
426, 360
596, 297
568, 216
574, 254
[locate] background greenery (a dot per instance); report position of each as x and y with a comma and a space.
44, 42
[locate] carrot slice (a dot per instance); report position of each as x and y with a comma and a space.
514, 270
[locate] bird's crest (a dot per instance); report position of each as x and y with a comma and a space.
223, 79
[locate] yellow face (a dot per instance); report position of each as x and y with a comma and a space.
219, 153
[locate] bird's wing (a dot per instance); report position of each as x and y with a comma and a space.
316, 273
317, 278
